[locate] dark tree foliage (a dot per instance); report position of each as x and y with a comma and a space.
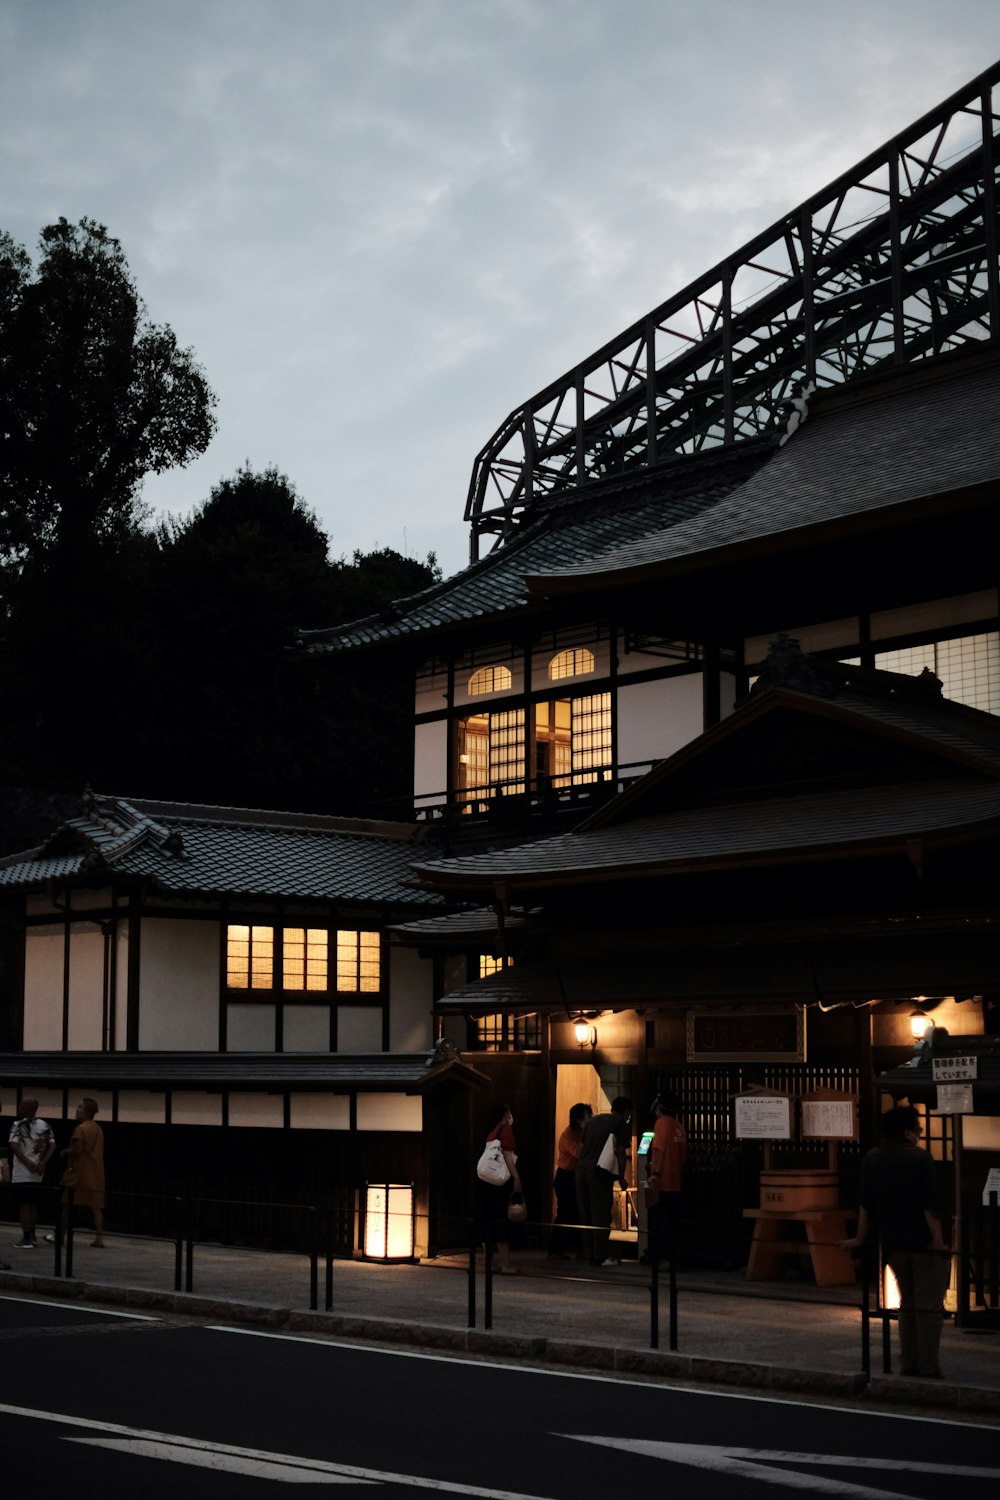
93, 396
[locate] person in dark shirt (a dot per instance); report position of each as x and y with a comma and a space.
595, 1183
899, 1196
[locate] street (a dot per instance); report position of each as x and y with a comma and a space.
101, 1404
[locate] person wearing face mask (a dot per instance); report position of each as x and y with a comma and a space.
496, 1200
899, 1195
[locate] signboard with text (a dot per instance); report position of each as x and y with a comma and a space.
746, 1036
955, 1069
830, 1119
763, 1117
954, 1099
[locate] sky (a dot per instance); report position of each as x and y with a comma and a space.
382, 225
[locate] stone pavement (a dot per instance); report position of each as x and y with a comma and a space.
774, 1337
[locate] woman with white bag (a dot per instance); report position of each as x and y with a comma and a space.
496, 1192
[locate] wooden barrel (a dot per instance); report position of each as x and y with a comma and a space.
788, 1190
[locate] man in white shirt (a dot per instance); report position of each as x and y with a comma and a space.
31, 1144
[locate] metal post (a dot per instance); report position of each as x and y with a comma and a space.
673, 1296
328, 1297
178, 1243
488, 1284
653, 1248
994, 1222
866, 1329
313, 1261
70, 1196
471, 1320
57, 1268
886, 1321
189, 1250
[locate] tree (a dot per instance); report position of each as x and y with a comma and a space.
93, 396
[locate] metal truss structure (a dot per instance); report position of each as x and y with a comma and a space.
896, 261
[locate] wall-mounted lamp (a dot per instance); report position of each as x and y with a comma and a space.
585, 1033
388, 1226
919, 1022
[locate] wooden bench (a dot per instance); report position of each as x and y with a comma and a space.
824, 1227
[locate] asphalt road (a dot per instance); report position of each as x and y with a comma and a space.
98, 1405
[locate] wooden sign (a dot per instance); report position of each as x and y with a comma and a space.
746, 1036
829, 1116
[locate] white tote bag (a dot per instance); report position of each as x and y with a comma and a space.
492, 1166
608, 1159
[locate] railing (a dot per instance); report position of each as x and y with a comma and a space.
513, 800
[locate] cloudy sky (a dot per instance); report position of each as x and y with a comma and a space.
383, 224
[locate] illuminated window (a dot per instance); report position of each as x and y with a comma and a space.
503, 1033
573, 663
358, 962
304, 958
969, 667
490, 965
250, 958
572, 742
491, 753
490, 680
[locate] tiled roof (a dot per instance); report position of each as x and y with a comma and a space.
858, 457
733, 833
460, 926
559, 535
207, 851
213, 1070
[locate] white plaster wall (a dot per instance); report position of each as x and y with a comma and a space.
179, 986
359, 1029
305, 1028
195, 1109
411, 996
86, 989
250, 1028
50, 1103
828, 635
962, 609
727, 694
320, 1112
630, 662
121, 996
657, 718
390, 1112
430, 762
141, 1107
43, 989
265, 1111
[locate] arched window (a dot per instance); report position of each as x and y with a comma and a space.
490, 680
576, 662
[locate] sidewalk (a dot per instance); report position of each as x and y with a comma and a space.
783, 1336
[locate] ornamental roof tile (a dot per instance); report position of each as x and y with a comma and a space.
189, 851
409, 1072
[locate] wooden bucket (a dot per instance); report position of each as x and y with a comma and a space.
791, 1189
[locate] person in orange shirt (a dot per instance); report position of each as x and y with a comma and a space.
665, 1162
565, 1231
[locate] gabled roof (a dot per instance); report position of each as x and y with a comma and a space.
189, 851
932, 772
407, 1072
562, 533
860, 457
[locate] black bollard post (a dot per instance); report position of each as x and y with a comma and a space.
471, 1320
70, 1196
866, 1327
488, 1285
178, 1243
313, 1261
653, 1247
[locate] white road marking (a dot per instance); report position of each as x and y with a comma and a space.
675, 1387
327, 1471
97, 1312
755, 1463
225, 1463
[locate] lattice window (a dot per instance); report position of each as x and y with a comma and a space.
503, 1033
474, 752
507, 752
490, 965
576, 662
490, 680
358, 962
304, 958
969, 667
591, 738
249, 957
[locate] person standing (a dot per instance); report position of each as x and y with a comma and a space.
496, 1199
899, 1195
565, 1233
85, 1161
664, 1164
595, 1184
31, 1145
